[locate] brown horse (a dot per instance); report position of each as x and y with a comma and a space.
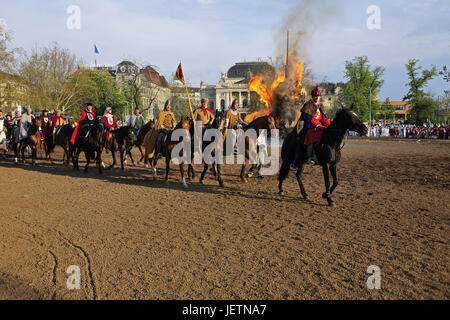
33, 141
262, 123
140, 140
167, 148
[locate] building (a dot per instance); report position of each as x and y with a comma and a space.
401, 112
11, 91
234, 85
153, 87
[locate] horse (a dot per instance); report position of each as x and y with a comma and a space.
167, 147
91, 142
218, 124
140, 140
33, 140
328, 152
61, 138
263, 123
120, 139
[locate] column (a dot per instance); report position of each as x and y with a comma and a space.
240, 99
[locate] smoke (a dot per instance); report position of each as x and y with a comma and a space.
305, 21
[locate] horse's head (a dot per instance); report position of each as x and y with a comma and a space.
219, 120
184, 123
37, 122
273, 122
351, 121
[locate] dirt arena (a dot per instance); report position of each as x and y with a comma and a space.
134, 238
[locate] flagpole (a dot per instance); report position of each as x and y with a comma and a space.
187, 93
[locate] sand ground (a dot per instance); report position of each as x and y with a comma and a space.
134, 238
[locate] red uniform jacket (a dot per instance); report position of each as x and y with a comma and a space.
77, 132
55, 119
314, 133
110, 122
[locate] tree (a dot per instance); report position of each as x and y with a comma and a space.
51, 78
356, 91
10, 84
422, 103
101, 90
387, 110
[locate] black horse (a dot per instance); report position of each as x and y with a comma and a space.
61, 138
121, 140
91, 142
328, 152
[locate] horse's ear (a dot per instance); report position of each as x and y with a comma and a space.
352, 107
342, 106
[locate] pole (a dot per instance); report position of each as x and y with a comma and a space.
189, 100
370, 109
287, 54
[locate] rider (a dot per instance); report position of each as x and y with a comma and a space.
3, 133
204, 114
110, 123
57, 122
136, 121
25, 122
234, 121
46, 122
314, 121
86, 117
166, 122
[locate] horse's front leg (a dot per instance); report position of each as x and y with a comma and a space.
131, 158
284, 172
219, 175
99, 162
34, 156
167, 168
88, 160
300, 182
22, 150
333, 171
326, 177
183, 180
113, 155
122, 159
143, 155
242, 175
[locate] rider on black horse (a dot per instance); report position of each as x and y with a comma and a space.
307, 132
87, 118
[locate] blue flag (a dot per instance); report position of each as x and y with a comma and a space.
96, 50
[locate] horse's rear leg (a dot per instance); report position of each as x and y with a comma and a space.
284, 172
167, 168
326, 177
191, 172
202, 176
334, 176
242, 175
99, 162
298, 175
143, 155
131, 158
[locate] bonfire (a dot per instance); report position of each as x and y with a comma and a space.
282, 94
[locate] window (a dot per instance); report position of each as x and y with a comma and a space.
222, 104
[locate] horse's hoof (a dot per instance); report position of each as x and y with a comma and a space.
201, 181
331, 204
221, 184
282, 193
305, 197
325, 196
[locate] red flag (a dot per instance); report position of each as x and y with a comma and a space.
179, 76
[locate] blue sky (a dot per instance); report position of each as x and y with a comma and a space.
209, 36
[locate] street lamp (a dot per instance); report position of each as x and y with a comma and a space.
370, 106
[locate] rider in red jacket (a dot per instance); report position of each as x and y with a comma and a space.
86, 116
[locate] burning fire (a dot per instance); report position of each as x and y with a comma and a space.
289, 85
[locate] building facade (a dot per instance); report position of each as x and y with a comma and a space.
233, 85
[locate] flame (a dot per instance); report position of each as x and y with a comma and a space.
266, 92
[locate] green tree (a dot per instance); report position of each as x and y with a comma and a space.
361, 80
102, 91
422, 103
